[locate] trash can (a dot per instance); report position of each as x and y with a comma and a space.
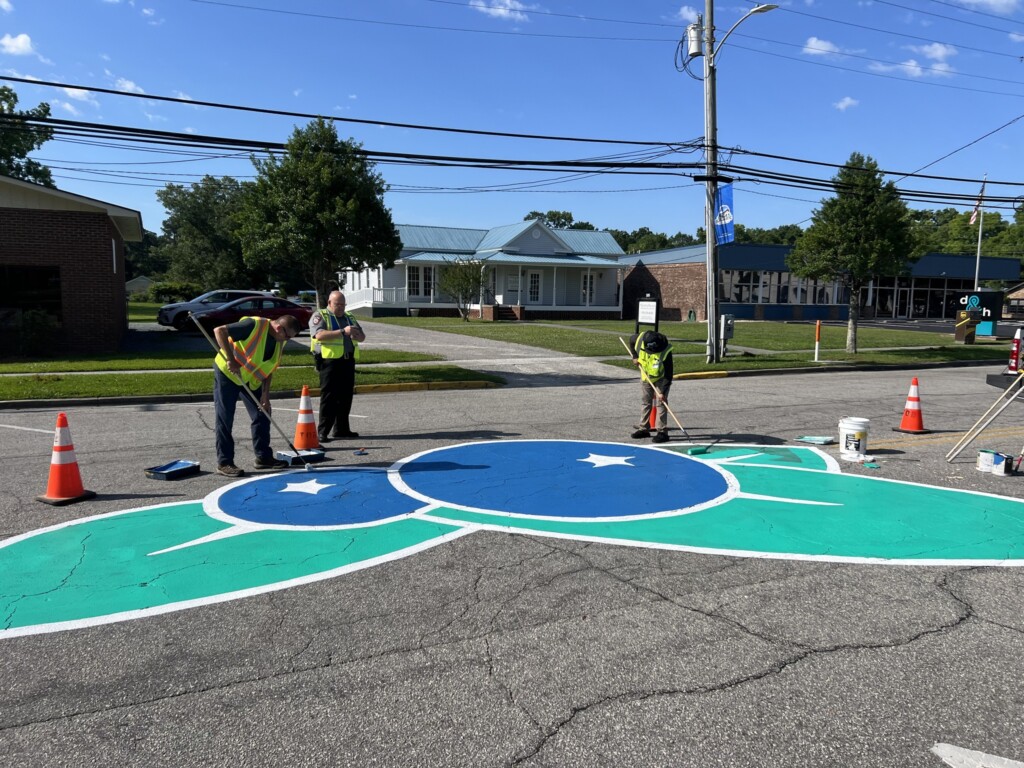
966, 322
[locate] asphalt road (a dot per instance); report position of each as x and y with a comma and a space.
498, 648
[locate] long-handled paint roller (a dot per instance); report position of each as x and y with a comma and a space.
308, 467
660, 398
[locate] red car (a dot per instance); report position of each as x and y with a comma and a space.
270, 308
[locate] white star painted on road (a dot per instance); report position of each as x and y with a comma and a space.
310, 486
607, 461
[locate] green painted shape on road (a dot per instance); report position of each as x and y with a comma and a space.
874, 519
101, 566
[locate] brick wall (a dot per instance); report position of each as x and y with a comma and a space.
92, 285
679, 287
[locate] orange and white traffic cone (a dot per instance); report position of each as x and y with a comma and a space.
305, 431
1014, 364
653, 420
913, 420
65, 484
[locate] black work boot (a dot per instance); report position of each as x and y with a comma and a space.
640, 433
661, 436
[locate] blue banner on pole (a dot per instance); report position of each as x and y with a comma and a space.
724, 232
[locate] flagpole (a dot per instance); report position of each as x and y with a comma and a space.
980, 211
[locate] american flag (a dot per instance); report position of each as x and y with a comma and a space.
977, 206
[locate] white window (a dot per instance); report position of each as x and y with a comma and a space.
414, 281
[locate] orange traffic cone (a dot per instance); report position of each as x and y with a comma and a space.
305, 431
913, 421
65, 485
653, 420
1014, 365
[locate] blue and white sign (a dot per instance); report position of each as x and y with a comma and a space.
724, 231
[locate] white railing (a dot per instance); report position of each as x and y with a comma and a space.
366, 297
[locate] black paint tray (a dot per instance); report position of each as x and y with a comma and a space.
173, 470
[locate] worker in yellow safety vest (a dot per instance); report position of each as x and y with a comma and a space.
652, 354
250, 351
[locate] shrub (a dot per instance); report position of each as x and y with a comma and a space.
38, 333
168, 292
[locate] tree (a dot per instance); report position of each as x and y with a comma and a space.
18, 138
863, 231
462, 280
143, 258
199, 243
559, 220
317, 210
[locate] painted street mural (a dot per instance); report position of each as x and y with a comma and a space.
276, 531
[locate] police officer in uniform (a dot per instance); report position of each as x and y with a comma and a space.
336, 337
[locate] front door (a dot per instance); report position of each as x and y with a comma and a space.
903, 302
533, 287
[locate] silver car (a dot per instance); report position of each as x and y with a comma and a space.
176, 315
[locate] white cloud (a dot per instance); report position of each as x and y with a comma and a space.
148, 12
66, 106
296, 92
910, 68
127, 86
353, 96
5, 6
1005, 7
154, 118
16, 73
815, 46
934, 51
79, 95
687, 14
1017, 37
19, 45
182, 95
845, 103
502, 9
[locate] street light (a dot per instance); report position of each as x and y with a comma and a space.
714, 347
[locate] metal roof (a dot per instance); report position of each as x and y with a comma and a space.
773, 258
590, 241
501, 236
421, 238
568, 260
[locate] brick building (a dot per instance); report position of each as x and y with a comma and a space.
62, 254
754, 283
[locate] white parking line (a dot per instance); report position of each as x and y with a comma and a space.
28, 429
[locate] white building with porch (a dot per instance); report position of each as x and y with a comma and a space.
533, 272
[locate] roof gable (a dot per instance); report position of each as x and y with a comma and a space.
15, 193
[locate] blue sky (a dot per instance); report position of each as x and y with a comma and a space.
933, 84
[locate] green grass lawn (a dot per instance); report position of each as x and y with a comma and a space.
143, 311
54, 386
158, 359
600, 338
788, 345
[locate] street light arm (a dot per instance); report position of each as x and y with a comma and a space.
764, 8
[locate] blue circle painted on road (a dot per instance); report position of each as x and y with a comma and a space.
322, 498
562, 479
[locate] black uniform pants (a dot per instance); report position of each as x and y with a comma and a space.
337, 385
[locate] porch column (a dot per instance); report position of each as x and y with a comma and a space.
589, 285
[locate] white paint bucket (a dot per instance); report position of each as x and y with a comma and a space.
986, 460
853, 438
1002, 464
